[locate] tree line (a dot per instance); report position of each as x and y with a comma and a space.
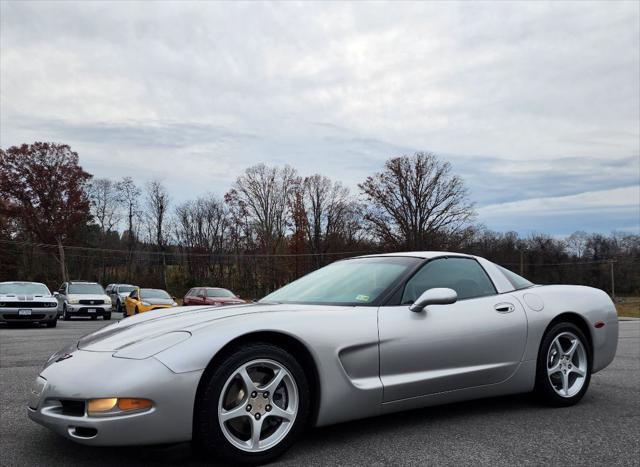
58, 222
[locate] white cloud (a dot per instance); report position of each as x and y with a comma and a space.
198, 91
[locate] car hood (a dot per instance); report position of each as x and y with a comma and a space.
21, 297
157, 322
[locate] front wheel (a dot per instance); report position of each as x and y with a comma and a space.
65, 314
106, 316
564, 366
253, 406
52, 323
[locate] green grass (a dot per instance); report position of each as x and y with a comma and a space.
628, 307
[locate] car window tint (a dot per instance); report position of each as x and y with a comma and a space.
219, 293
463, 275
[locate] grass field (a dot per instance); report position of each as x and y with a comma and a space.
628, 307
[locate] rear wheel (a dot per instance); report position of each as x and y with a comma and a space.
253, 406
564, 366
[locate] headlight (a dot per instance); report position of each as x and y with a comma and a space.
107, 301
149, 347
116, 406
72, 300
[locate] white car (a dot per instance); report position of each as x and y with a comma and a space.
118, 294
79, 298
32, 302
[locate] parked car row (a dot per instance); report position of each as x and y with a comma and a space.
33, 301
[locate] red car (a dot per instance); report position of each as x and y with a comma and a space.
211, 296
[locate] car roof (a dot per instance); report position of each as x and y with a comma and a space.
162, 290
82, 282
420, 254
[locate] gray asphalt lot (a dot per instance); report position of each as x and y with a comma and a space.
604, 429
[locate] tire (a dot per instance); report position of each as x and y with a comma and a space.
119, 307
563, 382
106, 316
52, 323
217, 386
65, 314
94, 317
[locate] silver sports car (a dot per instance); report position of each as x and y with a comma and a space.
358, 338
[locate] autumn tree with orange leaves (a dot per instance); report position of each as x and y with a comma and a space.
45, 188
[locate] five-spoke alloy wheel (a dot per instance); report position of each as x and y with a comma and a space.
564, 365
255, 404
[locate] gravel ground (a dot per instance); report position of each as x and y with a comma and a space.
604, 429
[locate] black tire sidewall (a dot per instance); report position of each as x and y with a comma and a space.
544, 389
209, 435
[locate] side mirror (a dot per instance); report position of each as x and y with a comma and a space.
437, 296
55, 294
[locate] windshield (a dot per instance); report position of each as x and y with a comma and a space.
352, 282
24, 288
153, 293
89, 289
126, 288
219, 293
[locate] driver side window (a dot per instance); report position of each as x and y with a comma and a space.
464, 275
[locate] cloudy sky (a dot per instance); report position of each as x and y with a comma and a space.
536, 105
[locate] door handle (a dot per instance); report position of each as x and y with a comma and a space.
504, 307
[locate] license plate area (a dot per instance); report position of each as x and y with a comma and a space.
24, 312
91, 310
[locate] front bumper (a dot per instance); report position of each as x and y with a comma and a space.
89, 310
89, 375
12, 315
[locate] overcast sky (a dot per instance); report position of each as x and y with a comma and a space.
536, 105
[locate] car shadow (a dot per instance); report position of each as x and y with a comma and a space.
317, 440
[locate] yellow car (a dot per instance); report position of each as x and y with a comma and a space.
141, 300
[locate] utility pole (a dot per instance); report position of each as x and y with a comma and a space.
613, 282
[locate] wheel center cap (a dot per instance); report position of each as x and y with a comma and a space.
258, 405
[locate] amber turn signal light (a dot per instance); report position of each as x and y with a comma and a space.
116, 406
134, 404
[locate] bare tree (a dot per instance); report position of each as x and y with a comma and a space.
157, 211
415, 202
202, 228
327, 206
577, 243
260, 201
129, 195
158, 208
106, 202
262, 196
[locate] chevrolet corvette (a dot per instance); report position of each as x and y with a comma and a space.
361, 337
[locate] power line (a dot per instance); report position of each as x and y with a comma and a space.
184, 255
166, 253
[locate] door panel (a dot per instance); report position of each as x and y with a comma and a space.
447, 347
